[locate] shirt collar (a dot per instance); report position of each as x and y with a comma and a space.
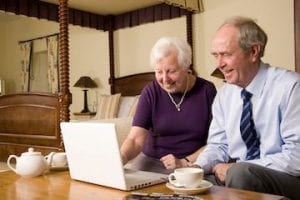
257, 84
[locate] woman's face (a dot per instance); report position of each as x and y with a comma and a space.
170, 76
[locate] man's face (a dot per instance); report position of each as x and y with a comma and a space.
233, 62
170, 76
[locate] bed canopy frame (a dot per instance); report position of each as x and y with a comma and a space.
40, 130
122, 84
18, 131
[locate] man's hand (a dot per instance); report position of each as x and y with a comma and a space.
220, 170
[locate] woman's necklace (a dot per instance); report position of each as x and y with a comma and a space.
177, 105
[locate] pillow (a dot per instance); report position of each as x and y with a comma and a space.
125, 105
108, 106
123, 126
133, 106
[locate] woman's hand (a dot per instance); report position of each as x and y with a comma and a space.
133, 144
171, 162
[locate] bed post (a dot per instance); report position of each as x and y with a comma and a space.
111, 80
65, 97
189, 33
64, 92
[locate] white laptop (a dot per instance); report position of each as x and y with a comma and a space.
93, 156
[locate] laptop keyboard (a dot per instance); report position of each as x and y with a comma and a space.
139, 179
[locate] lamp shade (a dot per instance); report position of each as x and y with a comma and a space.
85, 82
217, 73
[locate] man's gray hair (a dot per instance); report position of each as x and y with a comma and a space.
250, 33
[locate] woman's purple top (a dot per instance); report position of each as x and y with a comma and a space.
180, 133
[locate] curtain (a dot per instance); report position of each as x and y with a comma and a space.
192, 5
52, 52
25, 48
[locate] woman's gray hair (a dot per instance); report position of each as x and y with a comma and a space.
166, 45
250, 33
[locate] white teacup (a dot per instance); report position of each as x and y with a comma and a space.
186, 177
57, 159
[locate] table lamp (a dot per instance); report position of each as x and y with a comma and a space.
217, 73
85, 82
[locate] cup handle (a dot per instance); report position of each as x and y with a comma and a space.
172, 179
49, 158
8, 162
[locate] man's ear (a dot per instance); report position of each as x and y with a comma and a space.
255, 51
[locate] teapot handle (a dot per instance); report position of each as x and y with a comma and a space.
8, 162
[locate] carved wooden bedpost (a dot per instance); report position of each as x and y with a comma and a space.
65, 97
189, 33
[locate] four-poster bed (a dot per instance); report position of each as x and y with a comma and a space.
32, 119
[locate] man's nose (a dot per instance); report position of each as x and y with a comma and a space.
220, 62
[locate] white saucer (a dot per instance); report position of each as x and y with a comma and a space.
205, 185
64, 168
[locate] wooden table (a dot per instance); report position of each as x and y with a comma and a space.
58, 185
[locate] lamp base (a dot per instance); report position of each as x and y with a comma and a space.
85, 111
85, 105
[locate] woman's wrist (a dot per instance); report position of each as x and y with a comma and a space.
188, 162
185, 162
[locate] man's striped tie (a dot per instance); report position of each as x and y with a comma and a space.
247, 128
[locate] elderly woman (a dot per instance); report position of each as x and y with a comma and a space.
171, 123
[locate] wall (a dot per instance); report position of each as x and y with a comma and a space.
19, 29
276, 18
133, 45
88, 57
89, 48
2, 50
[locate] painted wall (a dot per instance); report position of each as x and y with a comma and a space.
88, 57
89, 48
275, 17
17, 30
133, 45
2, 50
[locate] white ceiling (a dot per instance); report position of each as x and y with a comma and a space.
106, 7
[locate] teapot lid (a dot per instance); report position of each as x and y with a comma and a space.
31, 152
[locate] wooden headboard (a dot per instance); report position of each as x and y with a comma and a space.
132, 84
29, 120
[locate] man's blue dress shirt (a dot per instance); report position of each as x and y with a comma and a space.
276, 114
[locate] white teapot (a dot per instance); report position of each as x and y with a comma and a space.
29, 164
